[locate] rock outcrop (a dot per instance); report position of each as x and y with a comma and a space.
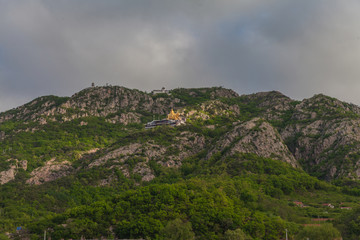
326, 146
171, 155
122, 102
50, 172
255, 136
10, 174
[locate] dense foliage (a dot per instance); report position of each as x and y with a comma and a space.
253, 196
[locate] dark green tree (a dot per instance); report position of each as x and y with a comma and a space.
324, 232
3, 237
177, 230
236, 234
349, 224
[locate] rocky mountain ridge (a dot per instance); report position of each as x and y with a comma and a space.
320, 135
104, 101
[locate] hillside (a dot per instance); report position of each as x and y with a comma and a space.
85, 165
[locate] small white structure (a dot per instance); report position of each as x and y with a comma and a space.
163, 90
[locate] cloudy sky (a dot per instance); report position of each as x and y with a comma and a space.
59, 47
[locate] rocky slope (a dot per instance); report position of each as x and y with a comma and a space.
9, 174
134, 158
255, 136
123, 104
321, 132
320, 135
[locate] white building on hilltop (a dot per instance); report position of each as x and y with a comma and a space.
163, 90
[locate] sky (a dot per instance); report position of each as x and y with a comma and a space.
300, 48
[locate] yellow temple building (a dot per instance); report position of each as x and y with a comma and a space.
173, 116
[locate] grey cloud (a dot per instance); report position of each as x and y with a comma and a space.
297, 47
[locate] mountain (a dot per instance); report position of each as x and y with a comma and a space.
85, 165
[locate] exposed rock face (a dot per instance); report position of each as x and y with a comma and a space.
273, 104
332, 145
143, 169
321, 132
126, 118
224, 93
321, 135
182, 146
97, 101
321, 106
255, 136
324, 133
10, 174
120, 154
50, 172
23, 164
35, 110
273, 100
101, 101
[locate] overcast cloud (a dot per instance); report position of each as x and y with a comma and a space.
297, 47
